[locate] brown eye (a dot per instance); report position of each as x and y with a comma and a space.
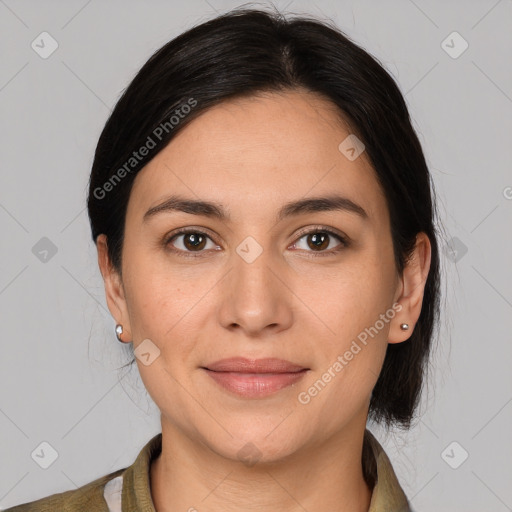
318, 241
194, 241
189, 242
321, 241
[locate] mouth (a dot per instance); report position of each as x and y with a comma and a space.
254, 378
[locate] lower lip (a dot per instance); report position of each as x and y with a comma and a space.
255, 385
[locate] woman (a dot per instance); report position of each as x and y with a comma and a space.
262, 212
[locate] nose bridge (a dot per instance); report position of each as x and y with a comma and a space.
253, 276
256, 297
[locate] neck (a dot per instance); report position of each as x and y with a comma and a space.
188, 475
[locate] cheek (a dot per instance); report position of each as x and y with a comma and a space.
170, 307
156, 300
348, 299
357, 309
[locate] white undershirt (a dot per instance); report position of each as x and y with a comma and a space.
112, 493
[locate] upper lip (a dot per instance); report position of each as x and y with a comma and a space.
244, 365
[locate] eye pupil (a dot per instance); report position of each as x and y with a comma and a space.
318, 240
197, 241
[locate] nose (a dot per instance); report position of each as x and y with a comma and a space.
255, 296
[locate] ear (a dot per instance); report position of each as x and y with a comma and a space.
114, 290
410, 292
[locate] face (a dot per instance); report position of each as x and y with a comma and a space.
266, 280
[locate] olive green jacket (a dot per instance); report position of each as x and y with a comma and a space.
128, 489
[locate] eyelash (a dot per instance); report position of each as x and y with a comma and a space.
316, 229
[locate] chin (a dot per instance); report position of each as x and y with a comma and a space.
255, 444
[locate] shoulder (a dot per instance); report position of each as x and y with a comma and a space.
97, 496
88, 497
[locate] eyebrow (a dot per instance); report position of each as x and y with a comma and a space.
217, 211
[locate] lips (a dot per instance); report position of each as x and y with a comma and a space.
254, 378
243, 365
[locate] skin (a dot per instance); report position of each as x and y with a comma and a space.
294, 302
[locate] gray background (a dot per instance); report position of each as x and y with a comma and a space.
59, 355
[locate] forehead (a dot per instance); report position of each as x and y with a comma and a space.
274, 147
